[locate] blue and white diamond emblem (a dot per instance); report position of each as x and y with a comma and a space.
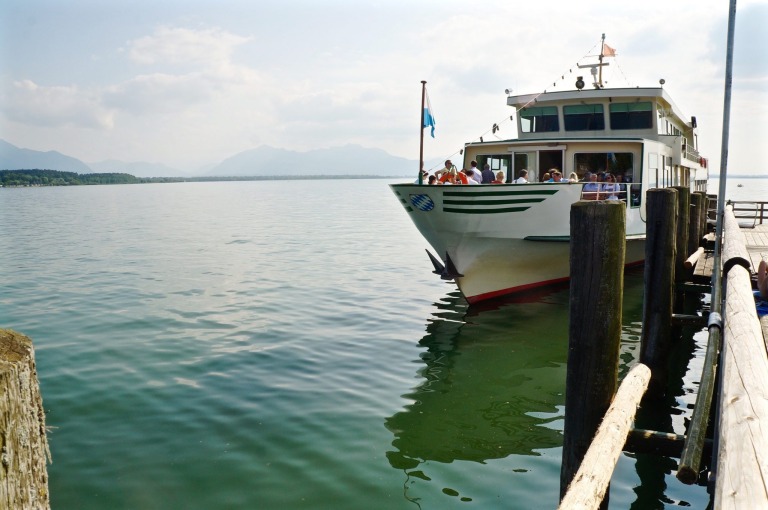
422, 202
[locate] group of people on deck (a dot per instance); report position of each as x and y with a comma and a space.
449, 175
598, 186
602, 187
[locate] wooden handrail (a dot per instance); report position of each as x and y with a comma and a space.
691, 261
591, 481
757, 209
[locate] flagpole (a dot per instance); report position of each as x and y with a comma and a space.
602, 47
421, 131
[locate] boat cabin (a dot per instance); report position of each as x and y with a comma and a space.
638, 134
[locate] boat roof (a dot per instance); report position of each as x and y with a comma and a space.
658, 94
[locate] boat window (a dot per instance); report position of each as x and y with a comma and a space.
525, 161
498, 163
539, 119
583, 117
631, 115
618, 163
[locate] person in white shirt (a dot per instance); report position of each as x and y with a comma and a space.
610, 189
476, 174
523, 177
470, 177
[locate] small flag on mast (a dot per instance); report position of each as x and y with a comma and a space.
608, 51
429, 119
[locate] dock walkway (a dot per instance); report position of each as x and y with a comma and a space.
756, 242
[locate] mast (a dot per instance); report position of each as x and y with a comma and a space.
421, 130
600, 65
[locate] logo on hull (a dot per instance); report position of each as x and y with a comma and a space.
422, 202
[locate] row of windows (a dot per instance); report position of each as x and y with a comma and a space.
587, 117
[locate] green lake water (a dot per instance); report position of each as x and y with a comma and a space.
284, 345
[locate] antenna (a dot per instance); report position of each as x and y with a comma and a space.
593, 68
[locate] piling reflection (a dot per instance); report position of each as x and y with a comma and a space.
493, 383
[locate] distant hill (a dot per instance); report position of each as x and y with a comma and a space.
347, 160
136, 168
14, 158
263, 161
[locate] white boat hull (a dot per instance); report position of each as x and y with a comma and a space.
504, 239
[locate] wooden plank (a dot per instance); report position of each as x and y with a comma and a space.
588, 487
742, 467
704, 265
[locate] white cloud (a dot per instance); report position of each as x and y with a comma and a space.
178, 45
57, 106
158, 93
189, 93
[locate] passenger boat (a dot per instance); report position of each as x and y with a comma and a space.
500, 239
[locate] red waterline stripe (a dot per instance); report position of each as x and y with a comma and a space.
513, 290
523, 288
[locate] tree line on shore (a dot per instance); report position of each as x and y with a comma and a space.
11, 178
25, 178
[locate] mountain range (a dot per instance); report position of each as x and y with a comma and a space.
263, 161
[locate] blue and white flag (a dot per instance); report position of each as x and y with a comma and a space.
429, 119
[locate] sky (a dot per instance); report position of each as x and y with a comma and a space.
188, 83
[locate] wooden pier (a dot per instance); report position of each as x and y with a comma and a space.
726, 443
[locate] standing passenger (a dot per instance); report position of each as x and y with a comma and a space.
475, 172
487, 174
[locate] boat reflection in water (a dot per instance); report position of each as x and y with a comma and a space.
492, 394
493, 386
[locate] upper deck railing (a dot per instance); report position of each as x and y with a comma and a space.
690, 153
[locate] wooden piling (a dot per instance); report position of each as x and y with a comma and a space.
683, 225
23, 475
695, 232
659, 278
597, 284
681, 243
703, 213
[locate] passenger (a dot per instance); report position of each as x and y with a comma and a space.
546, 177
587, 176
591, 190
523, 178
445, 170
432, 180
558, 177
475, 172
499, 178
470, 177
610, 188
454, 176
573, 177
487, 174
762, 279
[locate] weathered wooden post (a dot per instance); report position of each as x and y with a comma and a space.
23, 474
597, 285
704, 213
681, 242
659, 278
694, 226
